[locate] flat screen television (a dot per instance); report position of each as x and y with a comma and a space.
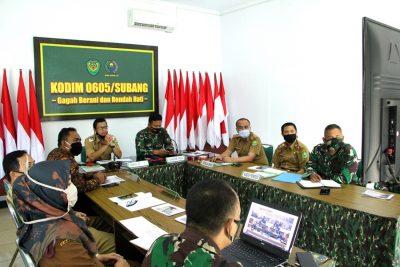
381, 101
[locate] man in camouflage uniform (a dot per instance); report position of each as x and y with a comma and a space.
101, 144
247, 145
153, 141
333, 159
213, 211
291, 155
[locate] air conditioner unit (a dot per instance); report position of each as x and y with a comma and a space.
153, 17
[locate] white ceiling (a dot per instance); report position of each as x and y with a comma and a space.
221, 6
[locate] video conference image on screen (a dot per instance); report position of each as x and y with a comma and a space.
272, 226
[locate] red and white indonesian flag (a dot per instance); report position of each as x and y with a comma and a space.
190, 106
210, 112
194, 106
168, 113
218, 113
177, 109
23, 129
37, 143
201, 129
10, 135
224, 123
182, 141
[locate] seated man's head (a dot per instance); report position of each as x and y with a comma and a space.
100, 127
69, 139
155, 121
333, 137
289, 132
243, 127
213, 208
16, 163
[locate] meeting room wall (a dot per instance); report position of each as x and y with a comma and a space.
299, 61
194, 45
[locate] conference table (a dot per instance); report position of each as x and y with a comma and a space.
113, 214
352, 229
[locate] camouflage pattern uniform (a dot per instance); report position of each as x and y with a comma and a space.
250, 144
83, 182
190, 248
93, 143
291, 157
341, 167
146, 141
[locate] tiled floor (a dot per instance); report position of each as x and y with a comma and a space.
7, 240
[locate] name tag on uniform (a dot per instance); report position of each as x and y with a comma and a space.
175, 159
207, 164
138, 164
251, 175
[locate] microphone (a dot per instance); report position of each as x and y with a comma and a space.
176, 145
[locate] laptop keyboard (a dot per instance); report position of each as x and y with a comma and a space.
255, 256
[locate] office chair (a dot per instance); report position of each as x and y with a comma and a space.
83, 155
26, 257
268, 149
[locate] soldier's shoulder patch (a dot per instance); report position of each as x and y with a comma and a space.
254, 143
304, 154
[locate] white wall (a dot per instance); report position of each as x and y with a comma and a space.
194, 45
299, 61
282, 60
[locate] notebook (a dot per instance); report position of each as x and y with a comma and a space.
267, 236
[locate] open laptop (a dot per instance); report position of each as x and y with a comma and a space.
267, 236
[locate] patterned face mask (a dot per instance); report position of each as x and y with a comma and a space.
334, 144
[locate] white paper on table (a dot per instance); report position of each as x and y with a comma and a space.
330, 183
181, 219
112, 179
146, 232
168, 209
144, 200
375, 194
94, 168
102, 162
327, 183
124, 160
265, 171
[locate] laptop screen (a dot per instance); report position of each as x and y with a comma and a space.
271, 226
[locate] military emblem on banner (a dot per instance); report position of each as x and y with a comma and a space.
93, 67
111, 67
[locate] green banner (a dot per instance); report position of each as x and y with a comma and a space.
82, 79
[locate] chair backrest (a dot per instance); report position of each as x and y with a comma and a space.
268, 149
83, 154
14, 215
26, 257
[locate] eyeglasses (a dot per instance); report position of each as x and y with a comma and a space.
102, 128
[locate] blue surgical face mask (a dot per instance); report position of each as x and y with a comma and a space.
244, 133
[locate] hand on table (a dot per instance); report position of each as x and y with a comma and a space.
315, 177
160, 152
100, 176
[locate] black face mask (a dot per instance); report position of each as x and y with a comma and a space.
156, 130
100, 136
76, 148
290, 138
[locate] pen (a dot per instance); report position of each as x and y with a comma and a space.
131, 202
